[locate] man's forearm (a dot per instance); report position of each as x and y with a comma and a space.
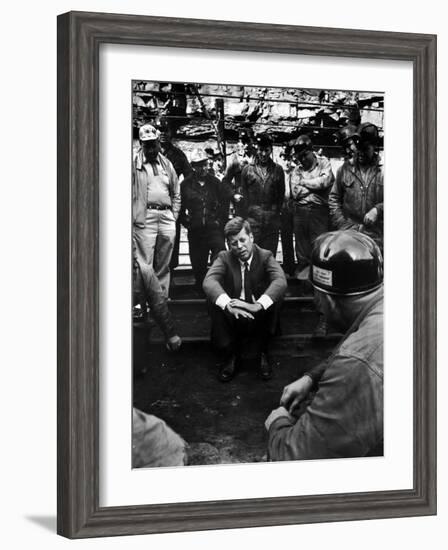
337, 216
318, 183
280, 445
223, 300
265, 301
344, 418
380, 209
176, 204
316, 372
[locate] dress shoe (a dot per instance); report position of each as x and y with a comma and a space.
321, 329
174, 343
227, 370
265, 367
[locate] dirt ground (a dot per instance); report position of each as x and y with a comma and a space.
221, 422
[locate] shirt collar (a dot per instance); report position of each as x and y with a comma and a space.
300, 168
155, 161
249, 261
140, 159
167, 146
269, 164
197, 181
377, 163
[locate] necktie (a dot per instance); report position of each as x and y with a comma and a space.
247, 285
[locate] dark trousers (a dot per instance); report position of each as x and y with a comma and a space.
266, 232
309, 223
287, 234
241, 337
175, 255
204, 242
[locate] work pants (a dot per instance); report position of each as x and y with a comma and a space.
154, 243
202, 243
265, 228
287, 236
309, 223
175, 255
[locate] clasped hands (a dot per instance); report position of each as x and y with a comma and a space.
240, 308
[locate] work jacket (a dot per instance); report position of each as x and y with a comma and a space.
345, 417
154, 443
204, 205
354, 194
262, 193
234, 170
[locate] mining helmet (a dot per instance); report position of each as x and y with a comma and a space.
346, 263
347, 132
263, 140
286, 154
198, 156
245, 136
302, 143
368, 132
163, 125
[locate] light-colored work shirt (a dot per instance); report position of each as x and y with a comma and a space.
140, 177
158, 184
311, 187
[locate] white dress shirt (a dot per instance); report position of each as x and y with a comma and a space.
224, 299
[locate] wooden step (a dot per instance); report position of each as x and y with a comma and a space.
298, 321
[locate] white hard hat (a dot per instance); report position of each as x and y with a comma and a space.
147, 132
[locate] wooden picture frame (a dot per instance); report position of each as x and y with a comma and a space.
79, 38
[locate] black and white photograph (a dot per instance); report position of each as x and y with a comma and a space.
257, 267
233, 337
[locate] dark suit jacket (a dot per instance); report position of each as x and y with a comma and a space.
266, 276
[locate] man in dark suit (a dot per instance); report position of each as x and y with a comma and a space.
244, 286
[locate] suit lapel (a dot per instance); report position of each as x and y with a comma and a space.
254, 266
236, 275
254, 272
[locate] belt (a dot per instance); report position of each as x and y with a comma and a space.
158, 207
311, 206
